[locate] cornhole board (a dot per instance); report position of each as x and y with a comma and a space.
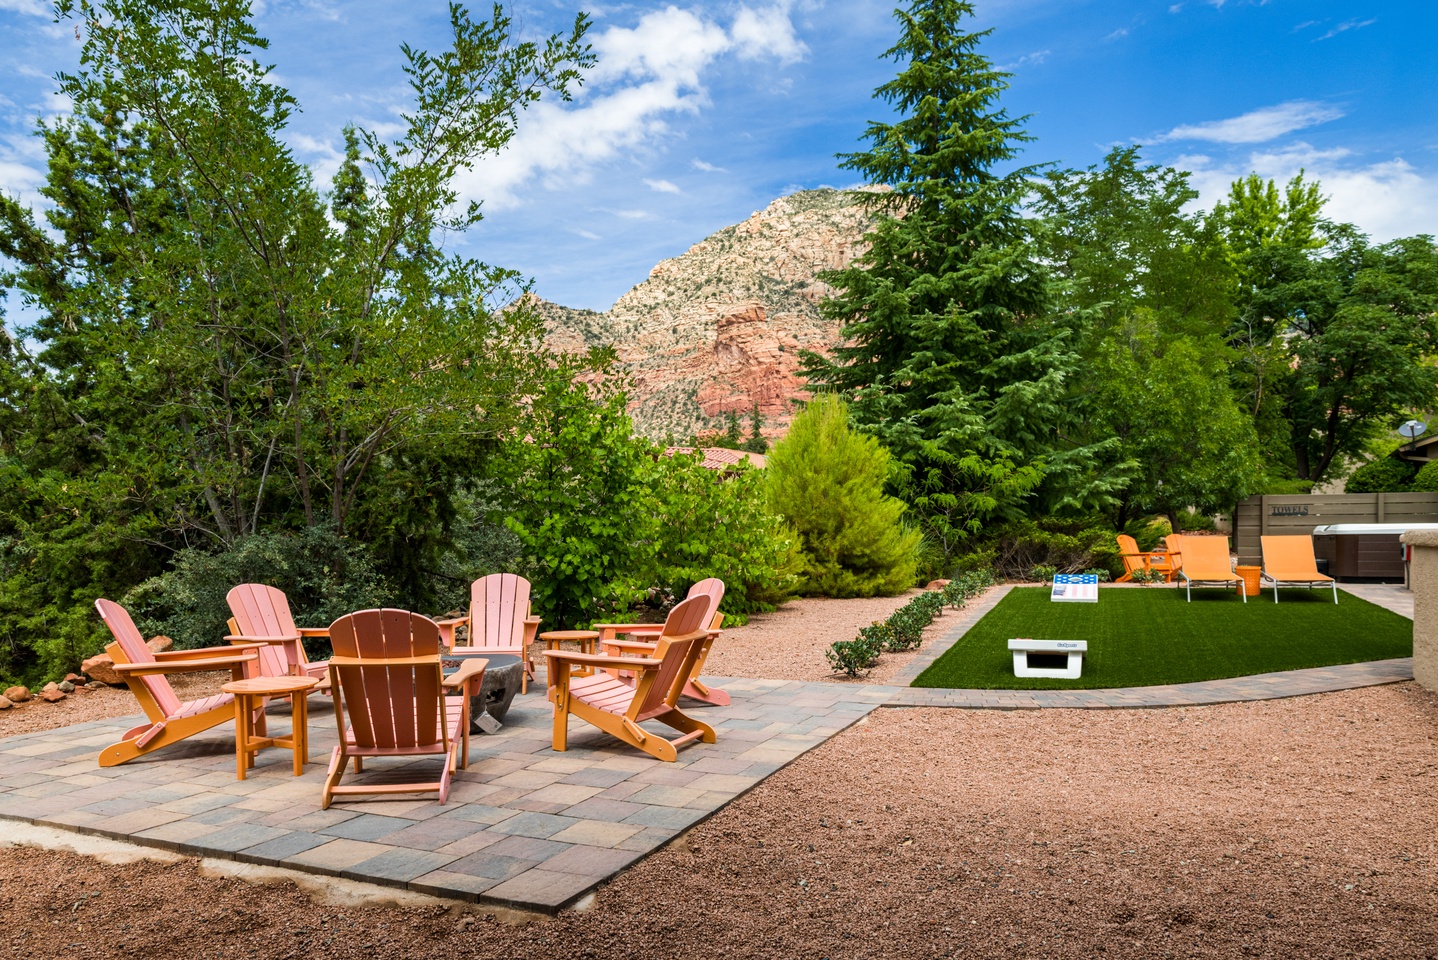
1054, 659
1074, 588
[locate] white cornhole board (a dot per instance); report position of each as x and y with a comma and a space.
1047, 650
1074, 588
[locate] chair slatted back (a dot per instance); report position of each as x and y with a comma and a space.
676, 649
127, 635
712, 588
394, 700
264, 611
498, 605
1174, 544
1132, 558
1206, 558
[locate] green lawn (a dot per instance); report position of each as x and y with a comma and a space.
1141, 637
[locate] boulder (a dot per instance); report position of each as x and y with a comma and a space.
5, 704
96, 685
159, 644
51, 693
17, 694
66, 686
100, 667
937, 585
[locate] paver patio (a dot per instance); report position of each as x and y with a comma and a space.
525, 827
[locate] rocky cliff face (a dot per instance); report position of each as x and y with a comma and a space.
719, 328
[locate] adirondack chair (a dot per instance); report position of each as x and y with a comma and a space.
387, 679
1205, 563
172, 720
262, 615
498, 621
1133, 558
618, 708
1173, 543
643, 637
1168, 560
1289, 562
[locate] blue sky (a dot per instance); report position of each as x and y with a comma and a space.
700, 113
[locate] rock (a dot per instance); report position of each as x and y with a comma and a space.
936, 585
74, 678
96, 685
100, 667
66, 686
17, 694
51, 693
5, 704
159, 644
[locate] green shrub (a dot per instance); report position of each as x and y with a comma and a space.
1043, 573
1021, 546
1195, 521
827, 480
324, 576
1103, 575
1426, 480
906, 628
855, 657
1384, 475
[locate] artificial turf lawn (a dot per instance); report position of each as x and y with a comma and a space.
1142, 637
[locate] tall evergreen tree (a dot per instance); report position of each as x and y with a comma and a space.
951, 354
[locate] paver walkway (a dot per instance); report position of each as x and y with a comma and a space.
524, 827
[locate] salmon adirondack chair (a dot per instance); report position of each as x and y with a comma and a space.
1206, 564
386, 678
498, 621
1289, 562
644, 636
262, 615
617, 707
172, 720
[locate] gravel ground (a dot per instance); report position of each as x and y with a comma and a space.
86, 704
1273, 829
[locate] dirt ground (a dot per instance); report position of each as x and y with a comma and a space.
1275, 829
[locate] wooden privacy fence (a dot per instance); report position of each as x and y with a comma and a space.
1298, 514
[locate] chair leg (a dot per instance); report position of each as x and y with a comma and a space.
332, 778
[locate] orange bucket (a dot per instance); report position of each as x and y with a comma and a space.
1250, 575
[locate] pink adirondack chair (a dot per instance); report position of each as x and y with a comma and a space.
498, 621
617, 707
262, 615
172, 720
644, 635
387, 679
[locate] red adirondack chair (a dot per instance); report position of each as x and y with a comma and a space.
644, 635
386, 678
172, 720
262, 615
498, 621
618, 708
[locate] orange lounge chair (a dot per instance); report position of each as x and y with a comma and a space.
499, 621
643, 637
617, 707
1289, 562
172, 720
1206, 563
262, 615
387, 679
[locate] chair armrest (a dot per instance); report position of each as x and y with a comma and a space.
645, 645
560, 657
277, 638
628, 627
469, 670
206, 653
455, 622
313, 631
181, 666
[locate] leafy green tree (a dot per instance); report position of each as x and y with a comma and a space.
827, 480
756, 442
1388, 475
952, 356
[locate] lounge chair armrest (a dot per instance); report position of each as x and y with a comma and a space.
277, 638
181, 666
207, 653
560, 657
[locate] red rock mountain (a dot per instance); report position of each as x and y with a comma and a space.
719, 328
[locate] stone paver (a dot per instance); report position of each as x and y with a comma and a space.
526, 827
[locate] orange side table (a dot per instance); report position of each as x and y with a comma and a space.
250, 736
585, 638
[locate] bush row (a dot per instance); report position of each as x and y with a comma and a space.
904, 630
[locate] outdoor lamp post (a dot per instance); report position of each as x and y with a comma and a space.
1412, 429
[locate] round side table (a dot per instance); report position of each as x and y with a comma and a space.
250, 737
587, 639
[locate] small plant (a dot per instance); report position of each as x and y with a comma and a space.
1043, 573
1103, 575
855, 657
906, 628
1146, 577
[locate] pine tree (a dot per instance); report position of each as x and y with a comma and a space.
952, 357
756, 442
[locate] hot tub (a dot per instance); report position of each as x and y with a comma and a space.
1364, 551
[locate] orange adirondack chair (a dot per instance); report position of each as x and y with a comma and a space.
498, 621
618, 708
1133, 558
645, 635
262, 615
1289, 562
386, 677
1168, 560
172, 720
1205, 562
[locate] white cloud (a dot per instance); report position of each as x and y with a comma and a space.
662, 186
634, 214
1259, 125
1386, 199
34, 8
586, 234
1118, 34
1028, 59
1346, 26
645, 76
707, 167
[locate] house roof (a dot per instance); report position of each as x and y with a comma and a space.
721, 458
1422, 450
